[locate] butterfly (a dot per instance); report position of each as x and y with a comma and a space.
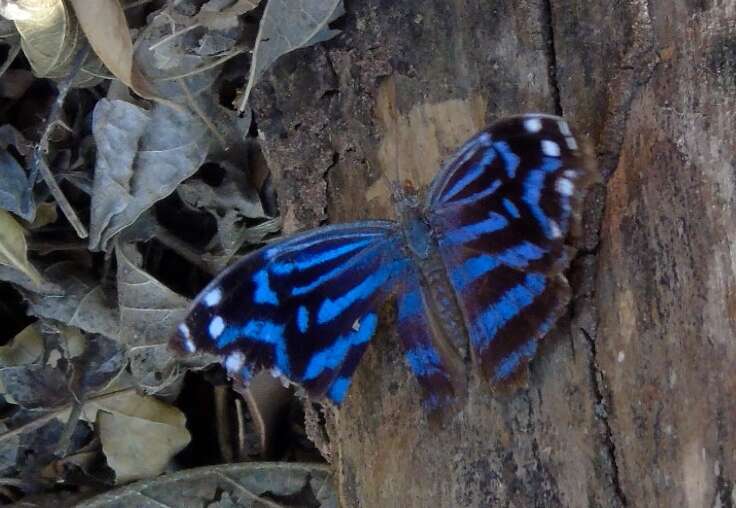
474, 265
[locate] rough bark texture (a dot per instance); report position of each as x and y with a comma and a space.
631, 399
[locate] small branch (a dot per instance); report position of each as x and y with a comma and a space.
60, 198
12, 54
38, 164
62, 448
223, 423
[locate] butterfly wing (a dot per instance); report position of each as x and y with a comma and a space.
305, 307
502, 209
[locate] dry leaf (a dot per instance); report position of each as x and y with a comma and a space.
213, 18
267, 484
50, 37
13, 248
25, 348
83, 304
148, 309
141, 158
140, 435
287, 25
106, 28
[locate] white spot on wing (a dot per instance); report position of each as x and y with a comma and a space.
533, 124
217, 325
184, 330
556, 233
571, 143
213, 297
564, 186
234, 362
484, 139
564, 128
550, 148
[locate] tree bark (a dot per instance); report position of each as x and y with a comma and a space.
631, 398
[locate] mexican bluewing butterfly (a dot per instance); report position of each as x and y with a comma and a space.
475, 268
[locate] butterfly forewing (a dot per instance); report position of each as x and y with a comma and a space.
501, 210
305, 307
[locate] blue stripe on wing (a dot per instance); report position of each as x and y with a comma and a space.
500, 312
306, 307
533, 185
332, 308
503, 243
334, 355
439, 375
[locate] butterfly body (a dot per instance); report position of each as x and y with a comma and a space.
475, 268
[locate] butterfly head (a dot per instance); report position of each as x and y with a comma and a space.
405, 195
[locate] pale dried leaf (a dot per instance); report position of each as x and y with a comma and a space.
149, 310
15, 189
24, 349
212, 16
50, 37
140, 435
84, 303
13, 247
104, 24
34, 386
46, 213
247, 484
287, 25
137, 169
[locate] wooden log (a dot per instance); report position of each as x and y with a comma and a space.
631, 399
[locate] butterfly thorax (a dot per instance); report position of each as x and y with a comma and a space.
440, 300
413, 221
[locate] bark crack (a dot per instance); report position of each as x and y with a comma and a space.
601, 413
549, 39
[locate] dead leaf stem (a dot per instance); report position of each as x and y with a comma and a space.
12, 53
60, 198
223, 423
251, 495
58, 413
195, 107
38, 163
62, 448
173, 35
227, 56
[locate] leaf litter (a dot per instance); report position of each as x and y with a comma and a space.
135, 180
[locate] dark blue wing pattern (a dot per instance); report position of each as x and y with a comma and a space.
438, 369
482, 260
501, 210
305, 307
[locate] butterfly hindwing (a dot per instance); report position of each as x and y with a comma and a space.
305, 307
436, 366
501, 210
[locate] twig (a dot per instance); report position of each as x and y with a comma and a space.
14, 50
172, 36
182, 249
207, 122
38, 164
223, 423
62, 448
227, 56
60, 198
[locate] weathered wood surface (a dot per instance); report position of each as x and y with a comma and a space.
631, 401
